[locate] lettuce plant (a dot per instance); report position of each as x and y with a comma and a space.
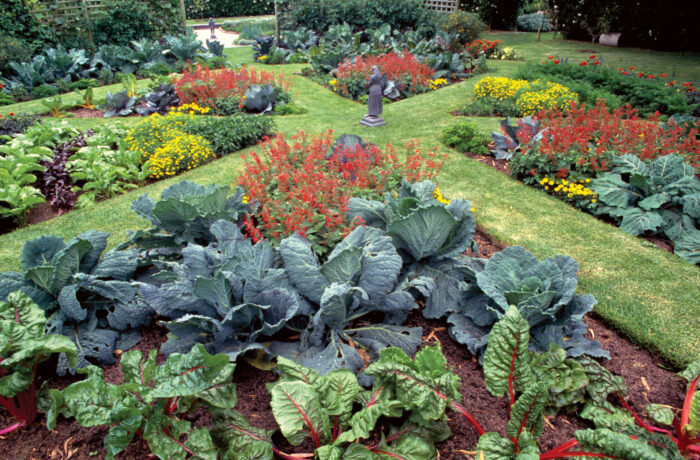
340, 417
360, 276
661, 197
86, 295
152, 402
23, 345
544, 293
226, 296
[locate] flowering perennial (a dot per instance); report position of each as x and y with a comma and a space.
297, 187
411, 75
205, 87
528, 97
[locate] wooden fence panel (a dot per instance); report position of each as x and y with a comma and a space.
442, 6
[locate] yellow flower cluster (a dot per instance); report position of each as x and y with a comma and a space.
262, 58
438, 83
334, 84
500, 88
438, 196
569, 189
546, 96
162, 141
181, 153
506, 54
191, 108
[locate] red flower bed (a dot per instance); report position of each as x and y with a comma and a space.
582, 141
487, 47
204, 86
294, 187
411, 75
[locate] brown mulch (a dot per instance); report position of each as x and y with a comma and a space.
648, 379
499, 165
87, 113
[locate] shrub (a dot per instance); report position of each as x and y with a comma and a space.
410, 75
524, 98
320, 15
223, 8
487, 47
5, 99
206, 87
490, 107
181, 152
465, 138
15, 124
14, 49
468, 25
532, 22
580, 142
121, 22
648, 94
305, 186
42, 91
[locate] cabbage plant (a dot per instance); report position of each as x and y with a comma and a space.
544, 293
86, 295
360, 276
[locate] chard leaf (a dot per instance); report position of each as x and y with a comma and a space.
242, 440
527, 412
618, 445
660, 414
691, 372
507, 358
492, 446
163, 434
605, 415
297, 409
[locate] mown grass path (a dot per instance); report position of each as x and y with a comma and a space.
652, 296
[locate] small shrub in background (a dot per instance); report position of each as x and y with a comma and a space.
121, 22
532, 22
410, 75
304, 186
468, 25
464, 137
14, 49
486, 47
647, 93
16, 124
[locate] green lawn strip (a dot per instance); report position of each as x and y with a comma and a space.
677, 65
650, 295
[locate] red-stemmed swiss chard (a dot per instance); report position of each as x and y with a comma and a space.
23, 345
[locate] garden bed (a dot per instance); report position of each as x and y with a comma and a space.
648, 379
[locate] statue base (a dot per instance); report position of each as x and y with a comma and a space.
372, 121
213, 37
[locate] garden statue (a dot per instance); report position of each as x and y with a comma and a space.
377, 83
212, 27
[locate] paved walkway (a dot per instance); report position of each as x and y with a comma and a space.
226, 38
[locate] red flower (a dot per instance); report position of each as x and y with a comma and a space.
631, 68
671, 83
592, 56
550, 57
620, 69
686, 83
596, 63
12, 114
557, 61
691, 89
563, 172
533, 172
663, 75
640, 74
625, 73
650, 76
583, 63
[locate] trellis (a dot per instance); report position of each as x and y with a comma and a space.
73, 14
442, 6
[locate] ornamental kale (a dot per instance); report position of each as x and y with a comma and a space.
227, 295
661, 197
152, 401
544, 293
87, 296
360, 276
508, 143
23, 345
339, 417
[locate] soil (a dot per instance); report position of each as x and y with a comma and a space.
87, 113
500, 165
648, 378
